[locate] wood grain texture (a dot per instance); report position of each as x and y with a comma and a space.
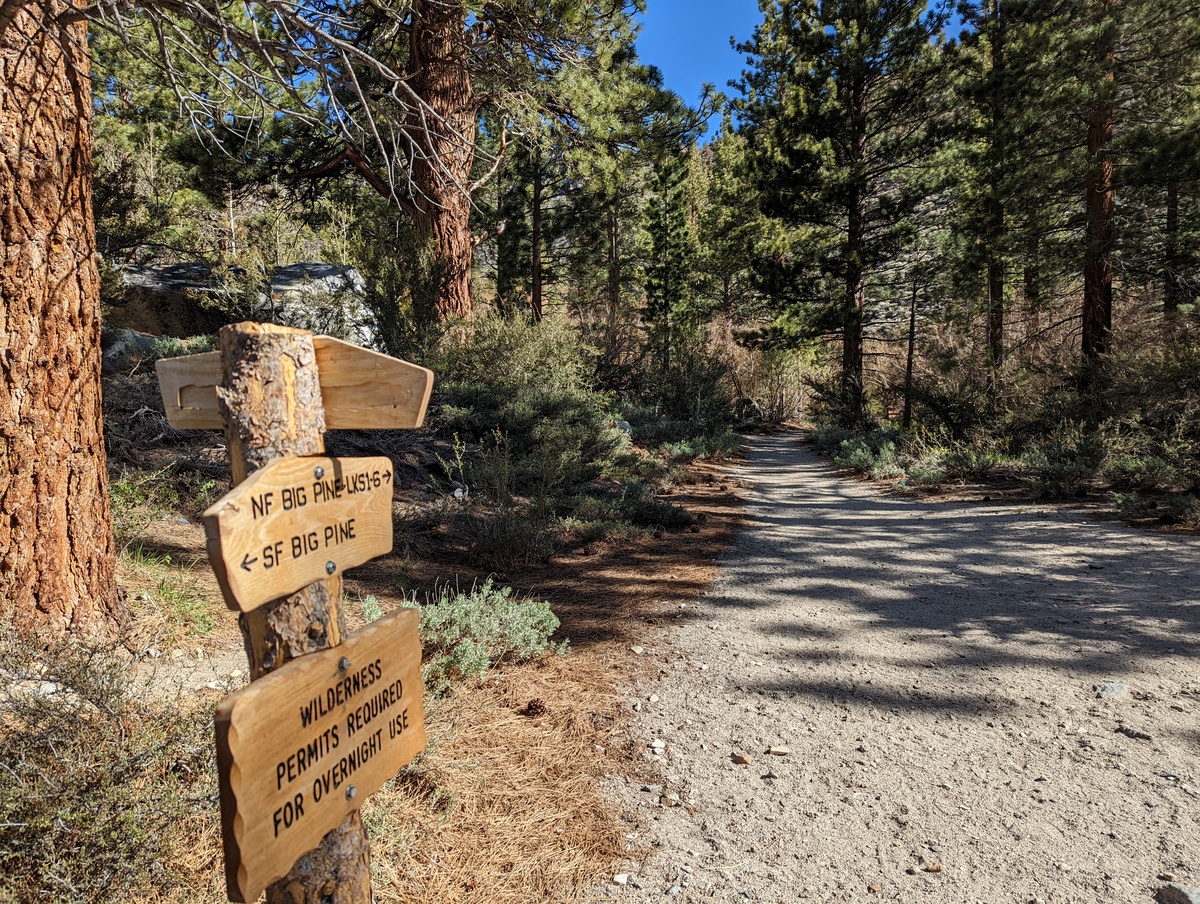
301, 749
360, 389
280, 528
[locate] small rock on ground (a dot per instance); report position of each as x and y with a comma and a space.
1178, 894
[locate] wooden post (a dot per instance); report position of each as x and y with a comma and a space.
270, 397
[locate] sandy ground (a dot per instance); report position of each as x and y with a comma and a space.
932, 671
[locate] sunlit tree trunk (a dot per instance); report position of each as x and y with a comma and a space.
444, 147
56, 542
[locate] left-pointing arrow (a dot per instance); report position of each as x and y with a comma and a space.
247, 561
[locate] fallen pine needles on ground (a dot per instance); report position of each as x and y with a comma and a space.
505, 806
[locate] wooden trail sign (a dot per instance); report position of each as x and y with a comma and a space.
360, 389
325, 721
303, 747
296, 521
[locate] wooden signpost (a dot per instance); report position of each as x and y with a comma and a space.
328, 718
360, 389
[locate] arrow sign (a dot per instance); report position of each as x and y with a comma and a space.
296, 521
360, 389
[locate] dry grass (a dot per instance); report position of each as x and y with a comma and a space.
504, 806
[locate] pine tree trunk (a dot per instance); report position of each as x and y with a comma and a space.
995, 316
1172, 287
57, 552
1098, 263
906, 420
614, 262
444, 150
856, 277
1032, 288
995, 206
535, 240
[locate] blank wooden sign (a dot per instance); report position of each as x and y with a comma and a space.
302, 747
296, 521
360, 389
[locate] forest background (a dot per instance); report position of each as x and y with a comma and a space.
966, 253
980, 248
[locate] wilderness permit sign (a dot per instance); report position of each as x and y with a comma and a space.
301, 748
297, 521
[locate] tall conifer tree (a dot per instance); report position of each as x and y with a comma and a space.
840, 108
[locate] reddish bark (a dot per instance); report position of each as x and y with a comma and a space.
1099, 205
444, 148
57, 552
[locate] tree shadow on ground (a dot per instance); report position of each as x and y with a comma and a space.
970, 588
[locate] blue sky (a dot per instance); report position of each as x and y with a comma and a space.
689, 41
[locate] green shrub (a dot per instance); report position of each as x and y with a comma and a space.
465, 634
512, 351
877, 463
506, 536
169, 347
1140, 472
1174, 509
641, 507
873, 453
829, 437
976, 460
371, 610
1061, 462
519, 392
692, 391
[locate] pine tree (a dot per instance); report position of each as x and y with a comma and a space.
839, 108
729, 222
671, 262
1010, 191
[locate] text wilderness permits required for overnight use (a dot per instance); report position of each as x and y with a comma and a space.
296, 521
301, 748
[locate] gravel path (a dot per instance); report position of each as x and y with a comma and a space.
932, 670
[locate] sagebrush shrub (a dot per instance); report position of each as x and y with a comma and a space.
465, 634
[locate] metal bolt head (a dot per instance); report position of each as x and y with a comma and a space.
318, 472
350, 792
330, 568
344, 663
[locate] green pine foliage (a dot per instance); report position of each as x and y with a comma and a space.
841, 104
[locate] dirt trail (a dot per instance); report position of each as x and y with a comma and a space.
933, 670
